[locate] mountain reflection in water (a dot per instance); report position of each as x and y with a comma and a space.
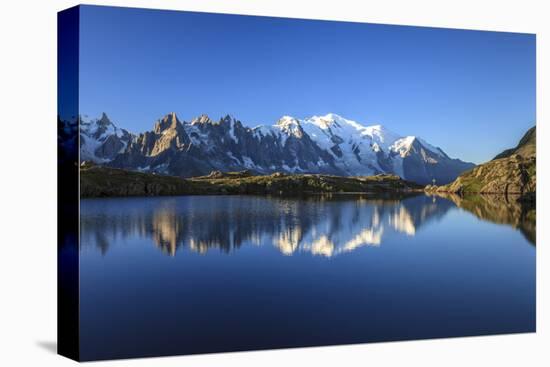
319, 225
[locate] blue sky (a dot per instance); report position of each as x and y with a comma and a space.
472, 93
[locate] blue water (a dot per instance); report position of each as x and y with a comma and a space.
197, 274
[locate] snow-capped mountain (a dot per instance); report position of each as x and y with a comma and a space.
101, 140
327, 144
367, 150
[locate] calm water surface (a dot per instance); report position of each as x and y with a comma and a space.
178, 275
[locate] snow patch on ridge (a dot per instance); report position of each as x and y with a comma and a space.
232, 131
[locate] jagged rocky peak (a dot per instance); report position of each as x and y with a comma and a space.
202, 119
101, 140
227, 119
205, 119
99, 128
230, 121
170, 121
104, 120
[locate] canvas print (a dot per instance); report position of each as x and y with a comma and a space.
232, 183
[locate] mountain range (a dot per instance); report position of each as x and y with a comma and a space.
328, 144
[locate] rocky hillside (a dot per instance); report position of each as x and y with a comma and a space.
329, 144
98, 181
510, 172
525, 148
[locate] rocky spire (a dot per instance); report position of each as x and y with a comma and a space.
104, 120
226, 119
202, 119
170, 121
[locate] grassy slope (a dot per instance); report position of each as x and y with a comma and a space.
101, 181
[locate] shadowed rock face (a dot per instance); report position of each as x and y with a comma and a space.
511, 172
501, 209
